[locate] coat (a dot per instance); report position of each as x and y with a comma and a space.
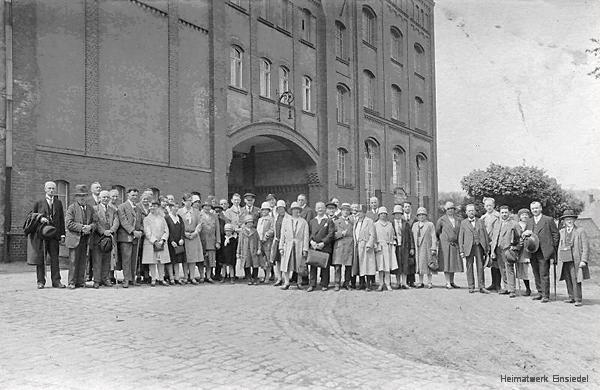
107, 220
425, 243
323, 232
155, 228
128, 216
229, 251
364, 248
448, 255
307, 213
75, 219
255, 212
275, 253
265, 228
210, 231
233, 216
405, 242
35, 244
294, 238
248, 247
547, 232
54, 214
343, 248
176, 233
194, 252
580, 251
466, 236
385, 252
507, 235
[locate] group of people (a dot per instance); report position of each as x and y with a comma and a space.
165, 241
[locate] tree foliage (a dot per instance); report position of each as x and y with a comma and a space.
595, 51
518, 186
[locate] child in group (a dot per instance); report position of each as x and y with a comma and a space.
228, 254
265, 229
248, 250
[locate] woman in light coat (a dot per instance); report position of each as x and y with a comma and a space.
426, 246
193, 245
293, 246
156, 233
385, 252
364, 249
343, 247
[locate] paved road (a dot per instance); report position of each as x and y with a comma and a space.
245, 337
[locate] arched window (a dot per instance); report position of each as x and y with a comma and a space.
371, 167
237, 66
265, 77
306, 25
370, 89
398, 163
284, 81
369, 21
422, 177
62, 192
341, 166
340, 39
121, 190
419, 111
306, 93
342, 103
419, 59
396, 102
396, 44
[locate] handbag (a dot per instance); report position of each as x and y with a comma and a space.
317, 258
433, 263
158, 245
179, 249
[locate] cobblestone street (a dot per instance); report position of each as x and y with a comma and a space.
224, 336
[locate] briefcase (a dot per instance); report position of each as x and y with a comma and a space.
317, 258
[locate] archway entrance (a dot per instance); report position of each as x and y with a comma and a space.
270, 165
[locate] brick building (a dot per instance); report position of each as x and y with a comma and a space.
183, 95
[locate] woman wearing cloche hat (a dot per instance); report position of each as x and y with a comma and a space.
426, 246
573, 252
523, 266
385, 254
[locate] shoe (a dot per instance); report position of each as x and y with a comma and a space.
491, 287
537, 297
125, 283
484, 291
527, 293
165, 283
361, 287
569, 301
346, 287
381, 287
545, 300
261, 281
503, 292
421, 285
471, 290
336, 288
299, 286
578, 304
209, 280
309, 289
58, 285
404, 287
71, 286
448, 287
96, 285
411, 284
251, 282
454, 285
40, 286
153, 283
107, 283
194, 282
285, 287
80, 285
430, 285
324, 288
512, 295
278, 283
231, 280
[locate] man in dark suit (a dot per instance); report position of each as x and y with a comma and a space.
322, 234
52, 209
108, 223
249, 208
81, 222
405, 245
128, 236
93, 201
307, 213
473, 245
410, 219
547, 232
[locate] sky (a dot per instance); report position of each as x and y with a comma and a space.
512, 87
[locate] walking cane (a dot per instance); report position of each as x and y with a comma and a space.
554, 265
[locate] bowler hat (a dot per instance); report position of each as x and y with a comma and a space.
531, 243
248, 218
105, 244
249, 195
48, 232
218, 207
398, 209
568, 214
81, 190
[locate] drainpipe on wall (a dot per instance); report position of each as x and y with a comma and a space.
9, 123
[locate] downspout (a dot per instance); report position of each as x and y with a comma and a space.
9, 123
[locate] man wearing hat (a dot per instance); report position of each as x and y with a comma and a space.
249, 208
281, 218
293, 245
410, 219
573, 252
473, 245
265, 228
447, 229
219, 213
52, 212
129, 235
108, 223
210, 236
343, 248
405, 245
547, 232
322, 232
81, 220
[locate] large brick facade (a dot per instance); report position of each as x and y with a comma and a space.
140, 93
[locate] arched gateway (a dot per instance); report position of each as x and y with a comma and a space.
269, 157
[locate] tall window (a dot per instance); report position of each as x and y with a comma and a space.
306, 93
422, 177
340, 40
369, 89
398, 159
121, 190
284, 81
306, 25
396, 102
283, 13
396, 44
341, 166
264, 9
371, 167
418, 112
62, 192
237, 57
265, 78
342, 102
369, 21
419, 59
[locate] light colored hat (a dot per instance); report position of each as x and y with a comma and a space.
398, 209
449, 205
248, 218
382, 210
421, 210
265, 206
195, 198
345, 206
81, 190
280, 203
229, 227
295, 205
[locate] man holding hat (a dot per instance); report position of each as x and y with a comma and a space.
343, 248
52, 212
293, 245
322, 232
108, 223
81, 220
447, 229
210, 236
405, 245
573, 252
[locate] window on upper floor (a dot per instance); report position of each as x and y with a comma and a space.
284, 81
396, 102
422, 177
369, 26
284, 12
307, 26
340, 40
397, 46
419, 112
341, 166
307, 94
398, 167
264, 9
342, 103
265, 77
371, 167
237, 66
370, 89
419, 56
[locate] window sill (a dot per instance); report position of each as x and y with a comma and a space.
343, 124
371, 111
307, 43
396, 121
308, 113
395, 61
420, 76
283, 30
343, 61
266, 22
236, 89
345, 186
267, 99
237, 7
368, 44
